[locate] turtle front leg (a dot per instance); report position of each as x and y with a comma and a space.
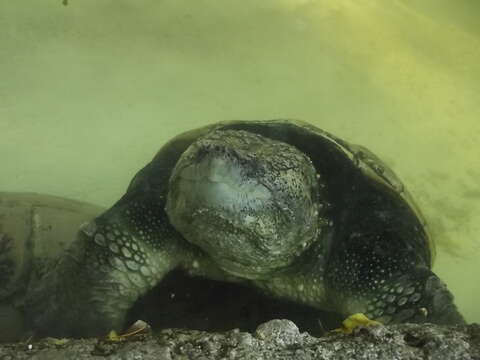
115, 259
390, 285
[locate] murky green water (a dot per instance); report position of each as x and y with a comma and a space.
90, 91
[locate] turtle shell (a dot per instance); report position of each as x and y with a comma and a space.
34, 231
378, 171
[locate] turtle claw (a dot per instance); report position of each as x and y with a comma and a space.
354, 321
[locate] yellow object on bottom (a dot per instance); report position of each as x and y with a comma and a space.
356, 320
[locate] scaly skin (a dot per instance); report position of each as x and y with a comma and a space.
279, 205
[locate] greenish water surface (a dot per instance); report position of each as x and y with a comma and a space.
90, 91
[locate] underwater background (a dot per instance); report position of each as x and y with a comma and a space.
90, 90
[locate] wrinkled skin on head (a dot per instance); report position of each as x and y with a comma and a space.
250, 202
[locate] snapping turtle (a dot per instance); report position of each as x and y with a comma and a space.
277, 205
34, 232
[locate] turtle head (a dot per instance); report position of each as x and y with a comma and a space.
250, 202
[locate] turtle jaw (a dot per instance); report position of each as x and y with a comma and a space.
257, 271
204, 207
